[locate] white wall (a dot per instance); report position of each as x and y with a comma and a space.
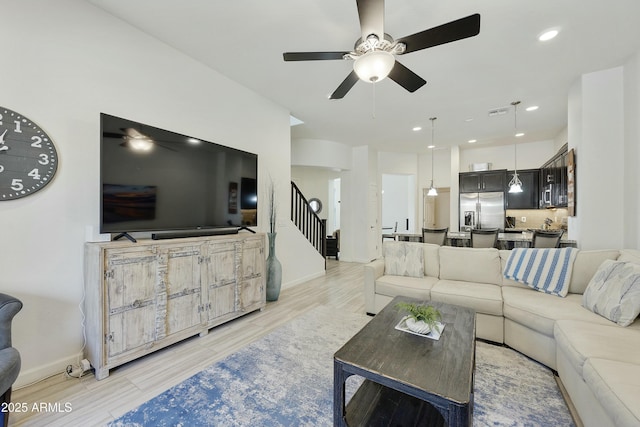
322, 153
531, 155
64, 62
631, 218
596, 131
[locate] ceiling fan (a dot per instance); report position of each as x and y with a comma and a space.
135, 139
374, 52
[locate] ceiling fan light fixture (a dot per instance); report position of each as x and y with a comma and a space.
374, 66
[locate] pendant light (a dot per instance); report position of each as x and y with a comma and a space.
432, 190
515, 185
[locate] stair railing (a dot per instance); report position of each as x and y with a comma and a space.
307, 221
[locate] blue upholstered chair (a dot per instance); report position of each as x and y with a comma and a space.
9, 356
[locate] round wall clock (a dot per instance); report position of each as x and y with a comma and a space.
28, 158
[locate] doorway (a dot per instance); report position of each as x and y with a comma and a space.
398, 203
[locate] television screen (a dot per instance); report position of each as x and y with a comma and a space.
156, 180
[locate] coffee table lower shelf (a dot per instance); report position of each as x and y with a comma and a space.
376, 405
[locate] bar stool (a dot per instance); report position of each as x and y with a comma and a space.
436, 236
546, 238
484, 238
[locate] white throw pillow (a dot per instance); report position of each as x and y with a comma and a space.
403, 259
614, 292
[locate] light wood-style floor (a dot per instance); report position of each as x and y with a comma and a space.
94, 403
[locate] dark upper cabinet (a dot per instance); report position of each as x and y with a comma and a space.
554, 180
528, 199
473, 182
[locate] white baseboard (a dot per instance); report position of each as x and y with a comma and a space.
34, 375
303, 279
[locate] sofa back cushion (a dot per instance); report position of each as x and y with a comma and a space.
480, 265
630, 255
431, 255
586, 265
504, 256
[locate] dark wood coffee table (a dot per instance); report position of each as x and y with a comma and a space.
410, 380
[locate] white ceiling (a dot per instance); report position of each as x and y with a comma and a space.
245, 39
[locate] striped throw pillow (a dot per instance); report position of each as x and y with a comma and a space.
546, 270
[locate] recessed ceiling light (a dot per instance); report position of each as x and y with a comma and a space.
519, 134
471, 141
532, 108
470, 119
417, 128
431, 146
547, 35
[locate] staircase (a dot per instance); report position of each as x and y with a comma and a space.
307, 221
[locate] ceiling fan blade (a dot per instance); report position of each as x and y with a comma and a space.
406, 78
313, 56
446, 33
371, 13
345, 86
113, 135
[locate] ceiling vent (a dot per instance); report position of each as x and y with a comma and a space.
498, 111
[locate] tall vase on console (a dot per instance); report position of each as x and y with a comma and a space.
274, 270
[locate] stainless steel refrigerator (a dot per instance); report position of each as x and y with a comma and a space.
481, 210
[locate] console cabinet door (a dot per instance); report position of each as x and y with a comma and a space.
252, 285
132, 300
181, 267
221, 280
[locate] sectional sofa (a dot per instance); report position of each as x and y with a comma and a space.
597, 360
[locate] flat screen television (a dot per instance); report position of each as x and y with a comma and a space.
157, 180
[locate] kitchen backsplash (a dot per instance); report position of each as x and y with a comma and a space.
536, 217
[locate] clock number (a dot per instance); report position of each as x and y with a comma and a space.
35, 174
44, 159
37, 141
16, 184
17, 129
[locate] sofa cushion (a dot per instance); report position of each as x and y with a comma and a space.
615, 384
539, 311
614, 292
482, 297
579, 341
585, 266
413, 287
504, 256
546, 270
630, 255
431, 255
479, 265
403, 259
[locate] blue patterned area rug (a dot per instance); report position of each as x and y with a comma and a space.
286, 379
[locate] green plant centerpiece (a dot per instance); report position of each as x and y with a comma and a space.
422, 319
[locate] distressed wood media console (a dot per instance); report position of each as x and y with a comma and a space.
141, 297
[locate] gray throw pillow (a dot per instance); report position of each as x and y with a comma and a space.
403, 259
614, 292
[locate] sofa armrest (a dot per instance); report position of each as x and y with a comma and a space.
372, 272
9, 307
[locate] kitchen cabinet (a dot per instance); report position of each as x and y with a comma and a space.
554, 180
529, 198
141, 297
473, 182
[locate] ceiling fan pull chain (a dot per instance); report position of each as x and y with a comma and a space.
373, 110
